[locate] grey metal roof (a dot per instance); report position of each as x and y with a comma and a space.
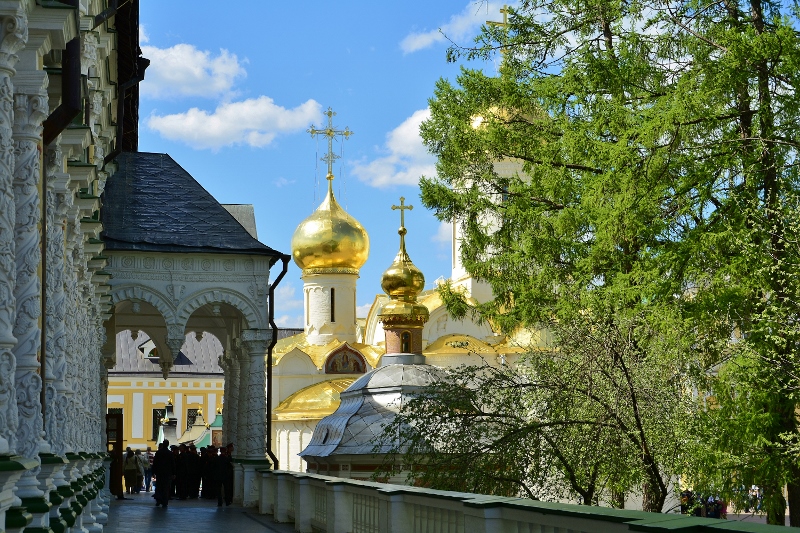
244, 215
367, 406
203, 355
152, 204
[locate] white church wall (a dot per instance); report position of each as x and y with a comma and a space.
320, 323
290, 438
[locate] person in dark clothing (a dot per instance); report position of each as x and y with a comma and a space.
223, 473
164, 470
209, 481
182, 473
176, 454
194, 472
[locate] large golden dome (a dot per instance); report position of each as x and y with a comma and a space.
330, 240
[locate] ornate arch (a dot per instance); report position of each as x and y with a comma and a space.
120, 293
233, 298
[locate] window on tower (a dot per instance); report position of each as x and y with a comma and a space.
405, 342
333, 305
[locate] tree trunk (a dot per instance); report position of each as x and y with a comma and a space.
775, 505
617, 499
652, 497
793, 490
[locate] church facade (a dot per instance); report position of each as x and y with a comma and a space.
315, 369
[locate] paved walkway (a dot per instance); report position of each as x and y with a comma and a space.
140, 515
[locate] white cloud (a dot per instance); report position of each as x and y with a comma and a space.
287, 303
143, 37
289, 321
407, 157
363, 310
254, 122
461, 27
282, 182
285, 298
183, 70
444, 234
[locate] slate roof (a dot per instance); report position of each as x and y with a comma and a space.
152, 204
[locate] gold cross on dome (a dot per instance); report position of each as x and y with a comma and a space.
402, 207
504, 24
504, 11
330, 132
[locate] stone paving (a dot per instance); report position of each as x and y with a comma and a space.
140, 515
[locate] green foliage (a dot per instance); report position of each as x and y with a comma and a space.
653, 156
601, 412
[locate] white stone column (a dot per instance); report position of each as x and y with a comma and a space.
70, 404
231, 409
13, 35
176, 337
254, 349
59, 200
254, 344
30, 109
243, 402
240, 446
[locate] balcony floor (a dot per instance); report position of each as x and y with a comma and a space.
139, 514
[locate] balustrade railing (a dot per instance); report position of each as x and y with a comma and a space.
336, 505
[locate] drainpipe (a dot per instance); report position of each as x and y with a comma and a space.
141, 65
113, 7
52, 126
70, 106
271, 311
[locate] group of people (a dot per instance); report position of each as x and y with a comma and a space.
705, 506
137, 470
179, 472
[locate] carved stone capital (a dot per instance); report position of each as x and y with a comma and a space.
13, 37
30, 110
88, 52
254, 341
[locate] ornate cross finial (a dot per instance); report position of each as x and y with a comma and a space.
504, 10
402, 207
330, 133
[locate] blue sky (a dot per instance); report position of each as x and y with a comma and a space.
230, 94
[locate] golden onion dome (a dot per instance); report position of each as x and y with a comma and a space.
402, 280
330, 240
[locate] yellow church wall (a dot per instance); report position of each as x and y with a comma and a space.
138, 396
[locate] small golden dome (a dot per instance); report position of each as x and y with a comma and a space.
402, 280
330, 240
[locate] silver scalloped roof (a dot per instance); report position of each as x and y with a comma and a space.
202, 356
367, 406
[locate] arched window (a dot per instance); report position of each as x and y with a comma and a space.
333, 305
405, 342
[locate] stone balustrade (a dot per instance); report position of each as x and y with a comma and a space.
335, 505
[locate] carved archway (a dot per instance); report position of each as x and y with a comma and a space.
137, 292
253, 319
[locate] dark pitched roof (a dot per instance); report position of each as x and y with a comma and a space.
152, 204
